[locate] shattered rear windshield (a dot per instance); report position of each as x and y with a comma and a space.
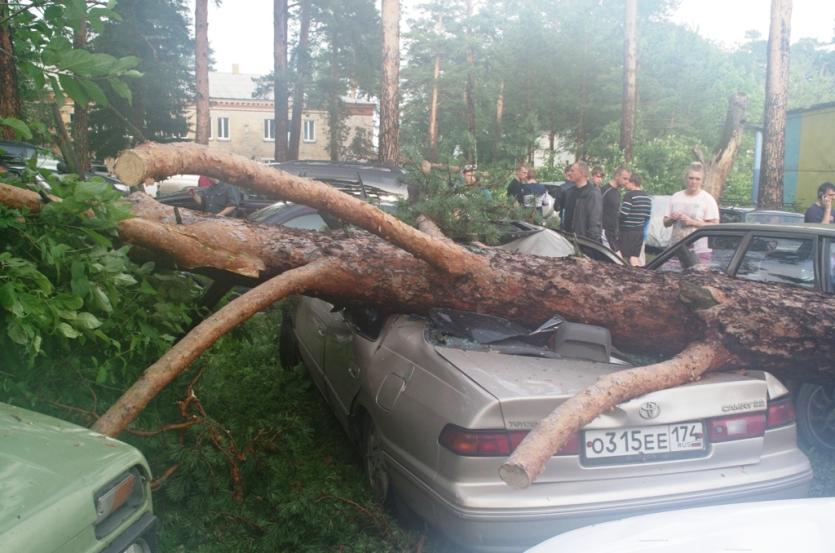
468, 330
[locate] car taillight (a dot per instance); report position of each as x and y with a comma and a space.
736, 427
780, 412
492, 443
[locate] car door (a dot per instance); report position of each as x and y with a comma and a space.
310, 325
789, 258
340, 363
723, 251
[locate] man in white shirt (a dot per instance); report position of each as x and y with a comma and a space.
690, 209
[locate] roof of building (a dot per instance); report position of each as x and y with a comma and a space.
241, 86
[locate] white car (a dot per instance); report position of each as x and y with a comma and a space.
760, 527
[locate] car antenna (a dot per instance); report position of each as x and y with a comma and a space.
362, 186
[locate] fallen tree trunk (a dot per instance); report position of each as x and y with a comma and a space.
727, 323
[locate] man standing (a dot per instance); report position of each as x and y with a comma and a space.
821, 211
611, 206
690, 209
583, 204
516, 188
634, 215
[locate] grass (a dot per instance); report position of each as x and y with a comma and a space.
269, 469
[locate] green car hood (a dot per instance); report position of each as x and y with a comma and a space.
49, 471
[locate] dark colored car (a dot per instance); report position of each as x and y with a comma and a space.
799, 255
379, 185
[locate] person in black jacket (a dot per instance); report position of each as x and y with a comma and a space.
516, 187
611, 193
583, 211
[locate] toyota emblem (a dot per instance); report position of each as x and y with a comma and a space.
649, 410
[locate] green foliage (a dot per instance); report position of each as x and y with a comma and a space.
43, 45
74, 307
302, 485
153, 107
463, 213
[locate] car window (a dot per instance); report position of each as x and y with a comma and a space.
720, 250
774, 259
830, 249
309, 221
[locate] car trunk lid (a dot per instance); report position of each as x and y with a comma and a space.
534, 387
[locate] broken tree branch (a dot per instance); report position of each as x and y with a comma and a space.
528, 460
152, 161
180, 356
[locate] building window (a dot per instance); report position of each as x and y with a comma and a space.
223, 128
309, 130
269, 129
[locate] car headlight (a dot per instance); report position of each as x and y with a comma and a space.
118, 500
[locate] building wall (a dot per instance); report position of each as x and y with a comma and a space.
810, 154
246, 128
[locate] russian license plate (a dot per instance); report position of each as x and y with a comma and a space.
644, 441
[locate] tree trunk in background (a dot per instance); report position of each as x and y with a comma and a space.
432, 133
302, 65
497, 139
469, 93
718, 168
580, 145
9, 96
201, 71
389, 150
776, 99
630, 68
81, 118
280, 76
334, 109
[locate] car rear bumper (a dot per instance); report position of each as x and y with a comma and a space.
500, 530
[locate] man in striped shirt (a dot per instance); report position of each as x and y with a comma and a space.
635, 208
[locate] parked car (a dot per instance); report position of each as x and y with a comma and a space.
799, 255
343, 173
761, 527
773, 217
15, 155
436, 404
377, 184
65, 488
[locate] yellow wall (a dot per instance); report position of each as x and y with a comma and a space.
816, 160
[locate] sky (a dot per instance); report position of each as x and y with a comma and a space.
241, 31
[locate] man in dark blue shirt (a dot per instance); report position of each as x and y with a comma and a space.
821, 211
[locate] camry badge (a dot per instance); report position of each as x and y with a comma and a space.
649, 410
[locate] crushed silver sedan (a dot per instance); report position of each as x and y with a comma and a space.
437, 403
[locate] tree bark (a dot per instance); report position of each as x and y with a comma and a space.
201, 71
280, 76
390, 89
719, 167
9, 94
725, 323
776, 100
630, 68
302, 65
81, 117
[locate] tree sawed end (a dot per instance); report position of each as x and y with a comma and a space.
515, 475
